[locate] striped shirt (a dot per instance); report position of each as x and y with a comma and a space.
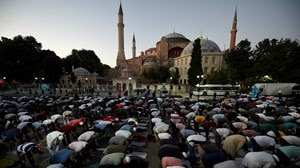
24, 148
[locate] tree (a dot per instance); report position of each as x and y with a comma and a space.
239, 62
195, 64
21, 58
160, 74
175, 77
86, 59
278, 59
219, 77
52, 66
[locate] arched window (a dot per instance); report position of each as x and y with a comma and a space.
205, 70
212, 69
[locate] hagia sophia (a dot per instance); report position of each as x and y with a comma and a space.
172, 51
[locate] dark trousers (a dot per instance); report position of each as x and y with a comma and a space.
255, 145
284, 160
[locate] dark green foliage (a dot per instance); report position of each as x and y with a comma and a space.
279, 60
175, 77
86, 59
219, 77
72, 78
160, 74
240, 62
195, 65
21, 59
52, 66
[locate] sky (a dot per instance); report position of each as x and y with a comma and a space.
63, 25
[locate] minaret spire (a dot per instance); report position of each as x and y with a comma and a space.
233, 30
121, 53
133, 47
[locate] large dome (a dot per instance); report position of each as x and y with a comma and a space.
176, 37
207, 46
81, 71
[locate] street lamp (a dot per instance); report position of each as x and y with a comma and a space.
43, 78
130, 86
4, 77
170, 85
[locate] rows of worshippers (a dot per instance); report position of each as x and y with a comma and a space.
231, 132
242, 132
73, 129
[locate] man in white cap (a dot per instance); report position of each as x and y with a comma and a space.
259, 159
53, 140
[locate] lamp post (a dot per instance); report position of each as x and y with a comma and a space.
130, 86
171, 85
86, 83
198, 89
4, 78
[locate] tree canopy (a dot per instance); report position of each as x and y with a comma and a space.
84, 58
271, 60
21, 59
195, 65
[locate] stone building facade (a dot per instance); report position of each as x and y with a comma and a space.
212, 59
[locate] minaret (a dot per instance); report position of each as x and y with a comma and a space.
133, 47
233, 30
121, 53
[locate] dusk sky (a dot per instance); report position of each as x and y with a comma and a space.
63, 25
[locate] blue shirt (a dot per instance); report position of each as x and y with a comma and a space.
37, 125
126, 127
61, 156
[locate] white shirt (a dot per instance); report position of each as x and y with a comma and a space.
228, 164
155, 120
47, 122
264, 140
239, 125
198, 138
292, 140
242, 118
86, 136
164, 136
258, 160
77, 146
162, 128
223, 132
56, 117
123, 133
24, 118
191, 115
52, 138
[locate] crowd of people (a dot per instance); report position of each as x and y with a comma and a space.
224, 132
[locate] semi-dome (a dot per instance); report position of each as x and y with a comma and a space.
207, 46
81, 71
176, 37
